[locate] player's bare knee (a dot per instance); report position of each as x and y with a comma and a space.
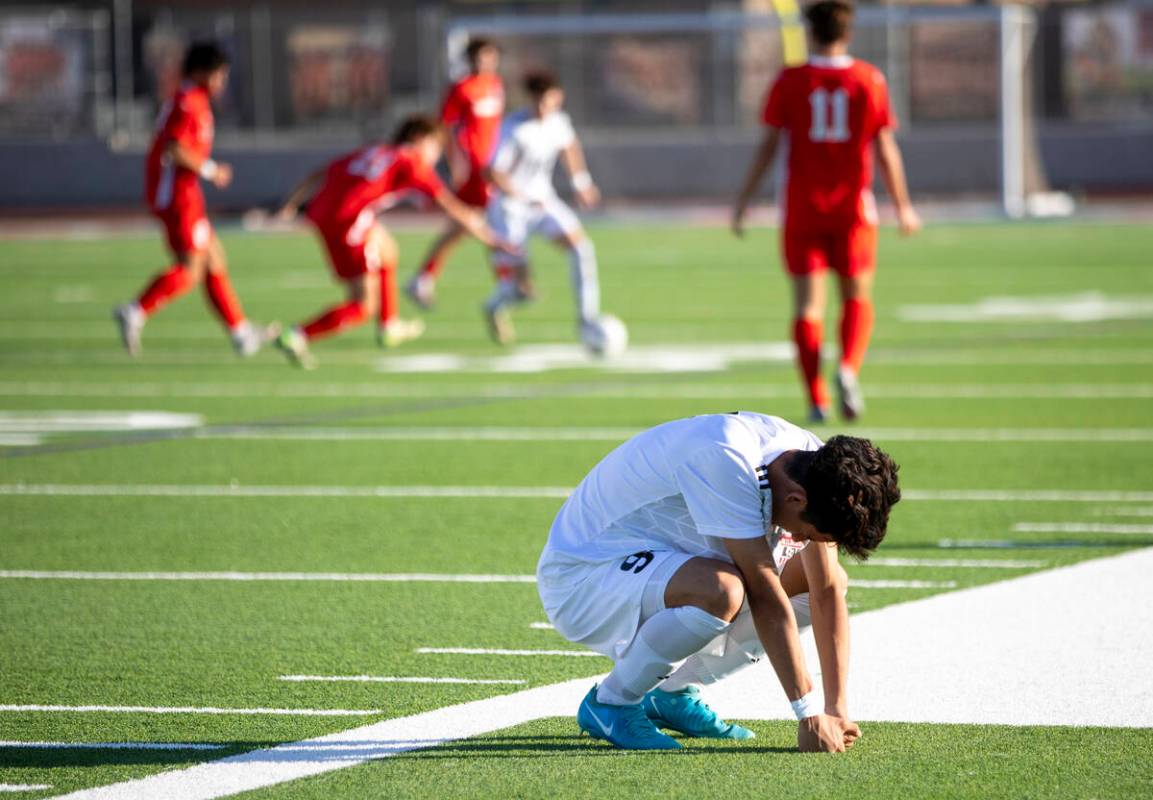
729, 595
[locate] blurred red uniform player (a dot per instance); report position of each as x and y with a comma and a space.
178, 159
349, 193
834, 111
472, 112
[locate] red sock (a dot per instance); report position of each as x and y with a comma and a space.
336, 318
389, 299
164, 287
223, 299
807, 335
856, 328
432, 266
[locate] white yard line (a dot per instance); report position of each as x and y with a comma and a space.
1124, 512
965, 563
1082, 527
112, 745
1010, 635
542, 626
855, 583
610, 391
277, 712
393, 679
498, 651
1008, 544
352, 577
238, 490
511, 492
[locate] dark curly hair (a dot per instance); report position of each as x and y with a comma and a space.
830, 20
851, 485
414, 127
203, 57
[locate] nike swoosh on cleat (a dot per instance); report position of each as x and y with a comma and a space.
606, 731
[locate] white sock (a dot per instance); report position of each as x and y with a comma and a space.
585, 285
241, 330
663, 640
740, 647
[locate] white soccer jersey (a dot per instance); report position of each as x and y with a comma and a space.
528, 151
685, 485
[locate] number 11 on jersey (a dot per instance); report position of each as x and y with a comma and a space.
830, 116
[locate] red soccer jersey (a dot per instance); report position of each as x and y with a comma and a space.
373, 178
473, 110
832, 110
186, 119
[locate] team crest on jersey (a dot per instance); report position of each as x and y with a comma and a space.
488, 106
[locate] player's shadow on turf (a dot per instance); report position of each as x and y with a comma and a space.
45, 758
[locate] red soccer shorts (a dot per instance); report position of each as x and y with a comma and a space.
187, 229
848, 252
474, 190
351, 250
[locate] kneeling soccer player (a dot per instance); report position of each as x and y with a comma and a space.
352, 191
675, 558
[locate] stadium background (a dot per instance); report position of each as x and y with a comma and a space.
668, 112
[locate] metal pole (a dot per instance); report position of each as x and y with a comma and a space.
1012, 111
122, 65
263, 111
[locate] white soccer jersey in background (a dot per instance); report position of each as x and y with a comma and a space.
528, 150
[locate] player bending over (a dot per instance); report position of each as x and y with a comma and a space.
352, 191
681, 546
472, 112
525, 203
833, 111
178, 158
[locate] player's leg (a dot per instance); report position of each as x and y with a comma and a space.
560, 224
854, 263
187, 235
511, 223
421, 288
806, 261
391, 329
247, 338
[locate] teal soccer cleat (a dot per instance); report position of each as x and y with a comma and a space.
625, 727
684, 711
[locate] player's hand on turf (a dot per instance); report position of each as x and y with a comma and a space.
223, 176
909, 221
822, 734
589, 197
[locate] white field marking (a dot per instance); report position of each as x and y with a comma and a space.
1085, 307
855, 583
277, 712
20, 439
966, 563
1008, 544
333, 577
957, 644
17, 422
497, 651
512, 492
510, 434
24, 787
1082, 527
627, 391
74, 294
392, 679
113, 745
238, 490
542, 626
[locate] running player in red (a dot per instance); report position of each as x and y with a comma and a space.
834, 111
472, 112
352, 191
178, 159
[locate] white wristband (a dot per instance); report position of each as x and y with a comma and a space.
581, 181
208, 169
807, 706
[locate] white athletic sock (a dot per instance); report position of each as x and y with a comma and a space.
585, 285
740, 647
504, 293
663, 640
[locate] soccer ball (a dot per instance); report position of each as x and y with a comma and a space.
606, 336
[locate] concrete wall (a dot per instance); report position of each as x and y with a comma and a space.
676, 167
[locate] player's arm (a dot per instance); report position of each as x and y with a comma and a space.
451, 115
301, 192
777, 629
830, 623
893, 175
762, 162
468, 218
588, 195
217, 173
